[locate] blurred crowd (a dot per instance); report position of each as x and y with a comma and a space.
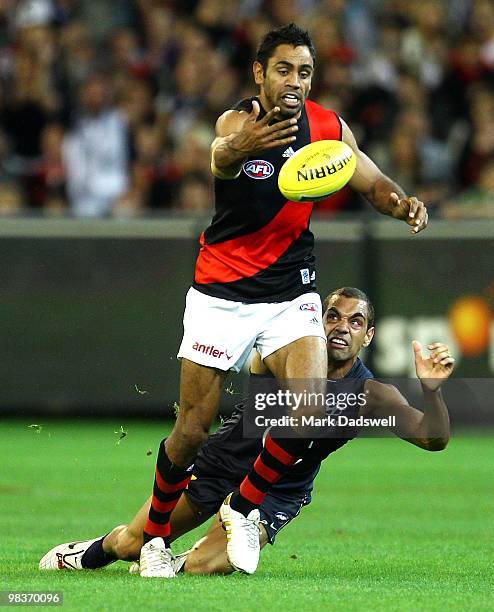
107, 107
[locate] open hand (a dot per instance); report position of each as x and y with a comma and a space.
259, 135
435, 369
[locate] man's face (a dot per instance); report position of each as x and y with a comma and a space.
287, 80
93, 95
345, 323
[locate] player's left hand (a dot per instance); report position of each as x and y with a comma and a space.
411, 210
435, 369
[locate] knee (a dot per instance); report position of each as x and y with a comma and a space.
190, 432
127, 546
196, 433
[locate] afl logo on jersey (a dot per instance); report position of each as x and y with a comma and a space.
258, 169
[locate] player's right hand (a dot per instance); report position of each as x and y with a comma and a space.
259, 135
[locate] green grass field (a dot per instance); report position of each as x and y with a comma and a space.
391, 527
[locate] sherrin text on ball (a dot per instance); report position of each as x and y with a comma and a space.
317, 170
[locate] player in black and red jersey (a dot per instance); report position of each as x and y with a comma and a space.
227, 455
254, 271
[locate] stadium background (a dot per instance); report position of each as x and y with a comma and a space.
107, 110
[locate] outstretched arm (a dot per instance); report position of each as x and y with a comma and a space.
383, 194
428, 429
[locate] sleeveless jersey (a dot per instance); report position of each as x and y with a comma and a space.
227, 454
259, 247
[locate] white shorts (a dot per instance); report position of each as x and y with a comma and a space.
221, 333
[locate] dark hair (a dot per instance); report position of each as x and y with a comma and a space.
358, 294
287, 35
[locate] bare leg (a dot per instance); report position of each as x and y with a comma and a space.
200, 392
208, 555
305, 358
125, 541
301, 368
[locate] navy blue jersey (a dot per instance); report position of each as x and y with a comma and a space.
228, 455
259, 247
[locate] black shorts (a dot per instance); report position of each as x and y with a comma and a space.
276, 511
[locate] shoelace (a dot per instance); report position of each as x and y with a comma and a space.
157, 557
252, 533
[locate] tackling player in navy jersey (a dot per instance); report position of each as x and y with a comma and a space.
254, 270
226, 457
